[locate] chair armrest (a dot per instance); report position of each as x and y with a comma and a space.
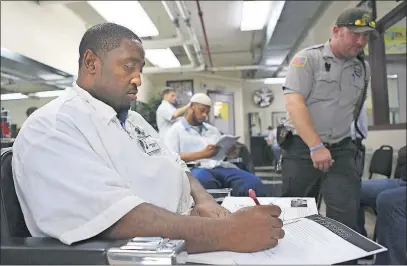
192, 164
45, 250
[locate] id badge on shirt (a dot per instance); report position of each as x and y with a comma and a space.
149, 145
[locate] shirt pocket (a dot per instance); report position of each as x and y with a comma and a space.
353, 89
326, 86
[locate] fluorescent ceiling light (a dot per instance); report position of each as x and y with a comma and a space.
46, 94
40, 94
129, 14
254, 15
274, 81
51, 76
394, 76
13, 96
276, 9
163, 58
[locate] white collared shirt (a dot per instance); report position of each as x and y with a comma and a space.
77, 171
184, 138
164, 117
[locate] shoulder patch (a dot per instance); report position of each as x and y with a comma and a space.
299, 61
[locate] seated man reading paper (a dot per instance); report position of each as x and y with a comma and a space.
195, 140
86, 166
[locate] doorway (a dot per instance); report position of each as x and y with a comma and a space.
222, 114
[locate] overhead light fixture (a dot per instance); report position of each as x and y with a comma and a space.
276, 10
129, 14
13, 96
40, 94
274, 81
50, 77
254, 15
163, 58
394, 76
46, 94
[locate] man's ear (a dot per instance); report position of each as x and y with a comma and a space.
335, 29
91, 61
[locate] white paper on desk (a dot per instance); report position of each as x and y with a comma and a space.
224, 143
287, 211
311, 240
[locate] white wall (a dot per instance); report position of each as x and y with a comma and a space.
49, 34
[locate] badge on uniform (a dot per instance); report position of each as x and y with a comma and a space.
357, 69
147, 143
299, 61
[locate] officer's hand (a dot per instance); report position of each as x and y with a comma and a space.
209, 151
322, 159
255, 228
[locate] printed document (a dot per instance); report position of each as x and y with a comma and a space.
224, 143
291, 208
309, 238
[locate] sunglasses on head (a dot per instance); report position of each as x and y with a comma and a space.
361, 23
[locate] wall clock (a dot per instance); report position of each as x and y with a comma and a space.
263, 97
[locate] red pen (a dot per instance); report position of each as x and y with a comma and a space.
252, 195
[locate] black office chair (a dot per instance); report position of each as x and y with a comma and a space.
19, 248
382, 161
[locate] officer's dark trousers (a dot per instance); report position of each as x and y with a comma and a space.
340, 186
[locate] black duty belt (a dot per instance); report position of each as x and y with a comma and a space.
340, 143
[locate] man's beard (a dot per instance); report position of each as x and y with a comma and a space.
107, 100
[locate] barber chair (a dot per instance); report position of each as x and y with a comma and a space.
18, 247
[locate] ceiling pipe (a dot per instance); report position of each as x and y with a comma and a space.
184, 68
239, 68
179, 40
202, 68
182, 8
200, 13
55, 2
193, 66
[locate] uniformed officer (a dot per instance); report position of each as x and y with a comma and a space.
323, 88
166, 113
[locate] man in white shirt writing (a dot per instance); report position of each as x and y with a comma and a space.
85, 166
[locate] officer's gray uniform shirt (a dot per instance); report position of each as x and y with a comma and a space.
330, 96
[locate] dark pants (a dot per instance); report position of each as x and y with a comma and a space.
388, 197
239, 180
340, 186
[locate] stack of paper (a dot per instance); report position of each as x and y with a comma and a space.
309, 238
224, 143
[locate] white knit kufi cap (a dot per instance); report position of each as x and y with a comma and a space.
201, 98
